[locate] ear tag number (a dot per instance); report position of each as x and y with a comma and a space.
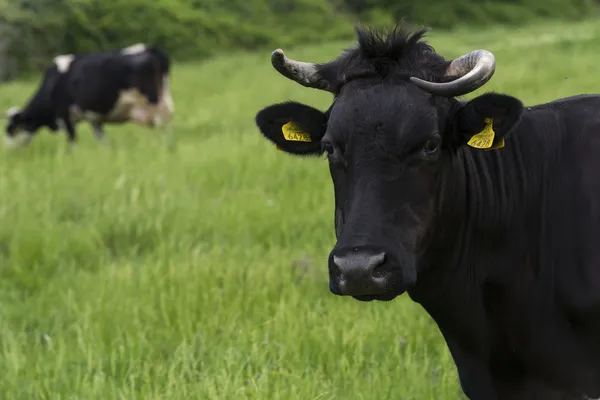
485, 138
292, 133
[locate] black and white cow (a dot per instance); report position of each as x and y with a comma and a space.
116, 86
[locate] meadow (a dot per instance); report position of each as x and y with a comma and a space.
198, 271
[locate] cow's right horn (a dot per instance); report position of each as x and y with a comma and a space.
304, 73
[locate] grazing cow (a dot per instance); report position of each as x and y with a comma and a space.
486, 212
117, 86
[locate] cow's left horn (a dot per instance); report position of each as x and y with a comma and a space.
304, 73
472, 70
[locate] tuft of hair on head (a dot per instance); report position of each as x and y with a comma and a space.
397, 51
394, 43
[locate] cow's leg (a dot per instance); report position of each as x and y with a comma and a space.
159, 103
71, 134
98, 131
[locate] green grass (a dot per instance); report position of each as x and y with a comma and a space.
135, 272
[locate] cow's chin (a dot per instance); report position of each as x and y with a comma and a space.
378, 297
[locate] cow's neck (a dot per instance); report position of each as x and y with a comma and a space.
484, 234
511, 257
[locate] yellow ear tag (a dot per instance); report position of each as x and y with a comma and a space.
498, 146
292, 133
485, 138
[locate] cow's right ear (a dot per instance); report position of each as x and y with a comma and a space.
293, 127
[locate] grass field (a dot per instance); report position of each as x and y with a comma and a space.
130, 271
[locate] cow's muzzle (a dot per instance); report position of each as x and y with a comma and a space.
19, 139
365, 273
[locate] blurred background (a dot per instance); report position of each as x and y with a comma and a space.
135, 270
33, 31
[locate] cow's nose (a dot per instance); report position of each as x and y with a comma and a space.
359, 273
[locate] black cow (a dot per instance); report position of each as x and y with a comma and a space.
116, 86
485, 211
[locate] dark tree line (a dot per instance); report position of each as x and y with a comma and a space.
33, 31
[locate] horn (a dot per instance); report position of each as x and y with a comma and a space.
304, 73
472, 70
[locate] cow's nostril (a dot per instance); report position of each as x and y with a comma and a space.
379, 272
334, 269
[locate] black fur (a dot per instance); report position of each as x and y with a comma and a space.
499, 247
396, 54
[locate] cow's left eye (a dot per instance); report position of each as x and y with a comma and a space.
431, 146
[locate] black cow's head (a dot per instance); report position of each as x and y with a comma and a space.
18, 131
390, 135
23, 125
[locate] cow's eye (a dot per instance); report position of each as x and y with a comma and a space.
431, 146
327, 147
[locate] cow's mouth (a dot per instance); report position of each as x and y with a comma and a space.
17, 139
379, 297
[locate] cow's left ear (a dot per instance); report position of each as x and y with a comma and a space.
293, 127
486, 121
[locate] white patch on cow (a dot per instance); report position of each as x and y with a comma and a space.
12, 111
63, 62
77, 115
131, 106
134, 49
141, 115
19, 139
92, 116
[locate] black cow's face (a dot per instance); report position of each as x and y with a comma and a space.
388, 148
389, 142
384, 159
